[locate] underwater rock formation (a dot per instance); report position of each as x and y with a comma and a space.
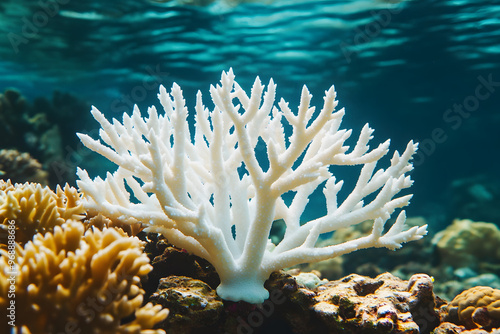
358, 304
353, 304
87, 281
193, 305
168, 260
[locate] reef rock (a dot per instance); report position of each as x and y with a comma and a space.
193, 304
358, 304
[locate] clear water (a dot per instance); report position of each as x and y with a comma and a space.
404, 67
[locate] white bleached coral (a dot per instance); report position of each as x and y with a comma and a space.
209, 193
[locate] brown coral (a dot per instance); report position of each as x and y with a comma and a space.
21, 167
468, 244
34, 208
86, 281
475, 308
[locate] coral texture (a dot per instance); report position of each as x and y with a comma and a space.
35, 208
21, 167
477, 307
467, 244
87, 281
216, 192
101, 221
358, 304
353, 304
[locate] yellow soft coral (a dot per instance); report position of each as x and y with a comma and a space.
37, 209
88, 282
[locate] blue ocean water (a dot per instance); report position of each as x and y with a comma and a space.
425, 70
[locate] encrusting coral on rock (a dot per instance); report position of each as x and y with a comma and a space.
35, 208
192, 303
80, 280
359, 304
478, 307
353, 304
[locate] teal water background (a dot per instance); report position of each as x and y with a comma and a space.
423, 70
